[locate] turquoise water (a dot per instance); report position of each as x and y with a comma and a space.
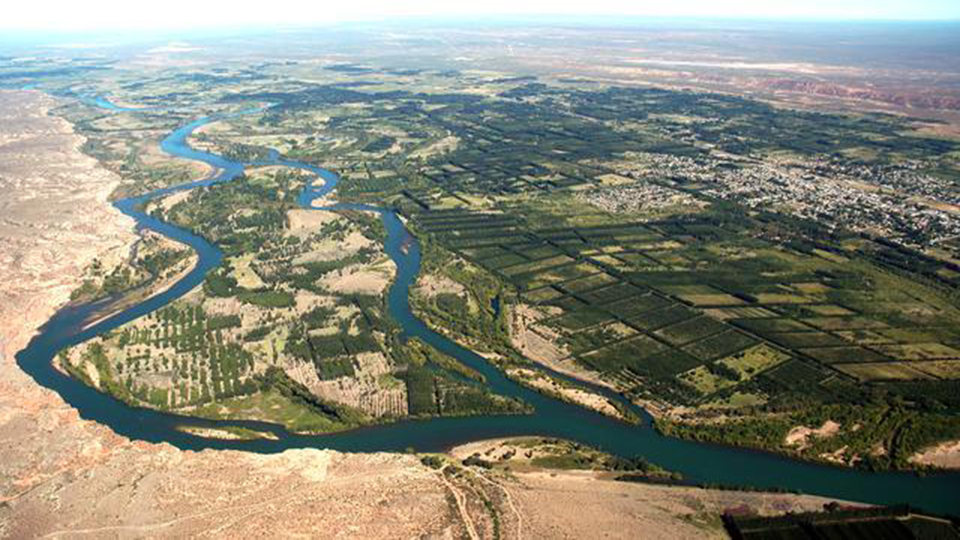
698, 462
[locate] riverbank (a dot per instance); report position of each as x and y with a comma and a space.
56, 219
559, 499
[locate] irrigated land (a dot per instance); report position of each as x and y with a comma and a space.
742, 271
67, 476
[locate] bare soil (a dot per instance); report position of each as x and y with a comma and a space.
800, 436
945, 455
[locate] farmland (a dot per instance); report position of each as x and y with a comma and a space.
736, 268
704, 307
280, 336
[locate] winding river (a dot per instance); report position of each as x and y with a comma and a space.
698, 462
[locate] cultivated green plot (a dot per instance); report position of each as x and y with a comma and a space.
754, 360
883, 372
666, 316
800, 340
944, 369
837, 355
691, 330
920, 351
719, 345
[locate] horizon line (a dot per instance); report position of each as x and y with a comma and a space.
532, 19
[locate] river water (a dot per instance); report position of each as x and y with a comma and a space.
698, 462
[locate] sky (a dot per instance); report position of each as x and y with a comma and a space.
73, 15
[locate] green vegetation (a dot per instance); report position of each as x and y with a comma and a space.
838, 521
419, 353
743, 312
435, 392
154, 260
231, 349
536, 453
469, 315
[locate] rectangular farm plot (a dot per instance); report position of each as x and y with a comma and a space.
829, 310
702, 295
629, 354
783, 298
704, 381
539, 252
710, 378
672, 314
844, 323
800, 340
720, 345
534, 266
505, 260
942, 369
810, 287
894, 371
588, 283
769, 326
613, 293
844, 355
638, 304
582, 318
725, 314
568, 303
487, 252
920, 351
610, 260
594, 338
669, 258
465, 242
665, 364
907, 335
550, 276
711, 300
751, 361
864, 337
543, 294
639, 260
679, 290
795, 373
691, 330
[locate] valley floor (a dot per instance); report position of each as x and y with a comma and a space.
62, 476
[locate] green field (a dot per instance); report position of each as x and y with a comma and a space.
715, 302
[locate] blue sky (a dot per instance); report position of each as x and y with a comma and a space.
163, 14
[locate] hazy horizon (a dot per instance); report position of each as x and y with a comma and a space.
113, 15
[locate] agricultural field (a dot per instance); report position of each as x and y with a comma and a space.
738, 270
753, 336
291, 329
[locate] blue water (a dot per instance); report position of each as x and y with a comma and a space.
698, 462
104, 103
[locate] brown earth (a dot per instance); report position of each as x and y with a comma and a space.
53, 217
539, 343
945, 455
431, 285
800, 436
548, 503
585, 398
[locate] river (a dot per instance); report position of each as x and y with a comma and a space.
698, 462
